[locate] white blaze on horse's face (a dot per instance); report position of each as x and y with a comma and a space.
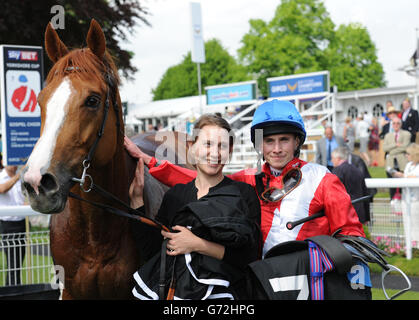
56, 111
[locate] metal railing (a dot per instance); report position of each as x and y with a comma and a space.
390, 225
25, 257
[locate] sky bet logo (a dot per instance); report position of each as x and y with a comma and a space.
22, 55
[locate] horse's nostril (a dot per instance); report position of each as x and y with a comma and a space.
49, 184
28, 188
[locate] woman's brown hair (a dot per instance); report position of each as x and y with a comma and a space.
213, 120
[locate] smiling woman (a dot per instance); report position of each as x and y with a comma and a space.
215, 223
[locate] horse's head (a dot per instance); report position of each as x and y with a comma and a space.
80, 87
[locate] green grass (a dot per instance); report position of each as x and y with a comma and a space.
410, 267
379, 172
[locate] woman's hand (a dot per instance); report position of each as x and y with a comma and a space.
185, 241
134, 151
137, 186
181, 242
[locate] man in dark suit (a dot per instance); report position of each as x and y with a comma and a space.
410, 119
326, 145
357, 161
353, 180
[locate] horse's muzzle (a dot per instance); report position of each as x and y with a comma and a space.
47, 194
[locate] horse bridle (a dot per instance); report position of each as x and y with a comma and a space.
86, 162
129, 212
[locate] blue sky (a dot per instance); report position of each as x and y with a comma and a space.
392, 26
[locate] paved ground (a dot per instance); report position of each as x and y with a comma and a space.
394, 282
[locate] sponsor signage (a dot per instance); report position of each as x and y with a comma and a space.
301, 84
21, 79
231, 93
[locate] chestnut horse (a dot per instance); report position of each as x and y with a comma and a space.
82, 131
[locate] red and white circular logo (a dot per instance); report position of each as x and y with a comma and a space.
22, 90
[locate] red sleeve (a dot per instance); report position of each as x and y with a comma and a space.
246, 175
169, 173
331, 196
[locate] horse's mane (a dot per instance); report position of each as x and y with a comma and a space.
85, 65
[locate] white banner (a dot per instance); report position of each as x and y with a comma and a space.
198, 48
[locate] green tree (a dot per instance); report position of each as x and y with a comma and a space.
181, 80
292, 42
23, 22
352, 59
301, 38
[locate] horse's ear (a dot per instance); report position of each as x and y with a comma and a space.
96, 39
53, 45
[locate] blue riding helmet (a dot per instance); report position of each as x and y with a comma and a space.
278, 116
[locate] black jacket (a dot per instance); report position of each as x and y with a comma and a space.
411, 124
354, 182
229, 215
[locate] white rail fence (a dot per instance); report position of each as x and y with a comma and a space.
25, 257
394, 226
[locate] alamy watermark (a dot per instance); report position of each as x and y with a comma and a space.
58, 20
358, 277
204, 147
58, 277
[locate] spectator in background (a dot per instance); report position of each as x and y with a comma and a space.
384, 116
349, 133
410, 119
150, 128
387, 127
326, 145
160, 127
363, 134
353, 181
12, 228
374, 141
368, 117
356, 161
411, 171
394, 145
325, 123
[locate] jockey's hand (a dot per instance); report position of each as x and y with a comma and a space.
137, 186
134, 151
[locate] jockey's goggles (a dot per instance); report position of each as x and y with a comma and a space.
289, 182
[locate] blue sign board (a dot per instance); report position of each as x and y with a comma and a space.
21, 79
298, 85
231, 94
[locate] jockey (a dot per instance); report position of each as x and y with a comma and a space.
278, 133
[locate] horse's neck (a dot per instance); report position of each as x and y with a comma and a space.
95, 221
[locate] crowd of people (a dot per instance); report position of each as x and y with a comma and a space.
398, 137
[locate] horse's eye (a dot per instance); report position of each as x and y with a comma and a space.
92, 102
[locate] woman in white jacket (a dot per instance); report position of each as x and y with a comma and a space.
411, 171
